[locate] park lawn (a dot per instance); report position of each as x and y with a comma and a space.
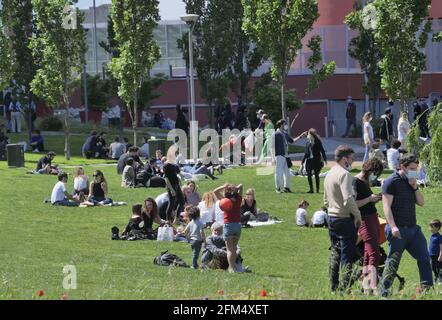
38, 240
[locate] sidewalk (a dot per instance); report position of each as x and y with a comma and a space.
330, 145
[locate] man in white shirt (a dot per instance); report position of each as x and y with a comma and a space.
393, 155
116, 149
319, 219
60, 196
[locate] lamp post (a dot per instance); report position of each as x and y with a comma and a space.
192, 18
94, 37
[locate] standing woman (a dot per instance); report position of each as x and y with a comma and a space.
403, 128
314, 158
176, 196
368, 133
231, 205
98, 190
369, 229
269, 129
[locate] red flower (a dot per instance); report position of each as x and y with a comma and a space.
41, 293
64, 296
263, 293
220, 292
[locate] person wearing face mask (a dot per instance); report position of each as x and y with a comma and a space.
344, 218
260, 122
369, 229
314, 158
400, 194
279, 152
368, 134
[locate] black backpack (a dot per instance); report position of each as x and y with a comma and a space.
169, 259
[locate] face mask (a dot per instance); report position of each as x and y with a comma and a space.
286, 127
371, 177
348, 166
411, 174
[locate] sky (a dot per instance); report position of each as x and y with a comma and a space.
169, 9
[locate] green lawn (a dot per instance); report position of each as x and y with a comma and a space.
38, 240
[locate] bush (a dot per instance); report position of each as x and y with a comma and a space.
51, 124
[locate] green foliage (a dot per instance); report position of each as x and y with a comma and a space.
401, 33
318, 74
267, 96
364, 49
6, 71
278, 28
51, 124
98, 92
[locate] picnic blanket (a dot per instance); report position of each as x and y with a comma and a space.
267, 223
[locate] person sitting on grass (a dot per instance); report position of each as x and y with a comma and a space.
81, 187
215, 253
195, 233
131, 153
89, 147
116, 149
98, 190
393, 155
301, 214
60, 196
44, 165
128, 177
180, 236
248, 207
135, 229
37, 142
191, 194
207, 208
377, 153
319, 219
150, 215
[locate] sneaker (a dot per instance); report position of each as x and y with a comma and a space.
310, 191
287, 190
278, 191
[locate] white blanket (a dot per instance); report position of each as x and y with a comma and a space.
259, 224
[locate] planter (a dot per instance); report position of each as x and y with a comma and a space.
93, 116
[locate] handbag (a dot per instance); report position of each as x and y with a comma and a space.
165, 233
289, 162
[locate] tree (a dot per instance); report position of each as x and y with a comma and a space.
278, 27
401, 33
59, 46
363, 48
18, 20
134, 22
6, 71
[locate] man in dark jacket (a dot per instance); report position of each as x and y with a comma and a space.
181, 122
386, 133
350, 115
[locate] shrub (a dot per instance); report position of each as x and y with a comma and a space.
51, 124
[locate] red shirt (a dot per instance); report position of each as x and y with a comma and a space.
234, 215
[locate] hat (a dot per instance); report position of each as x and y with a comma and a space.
260, 111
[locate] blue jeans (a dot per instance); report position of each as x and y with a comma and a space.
196, 248
343, 236
103, 201
350, 122
413, 240
66, 203
367, 152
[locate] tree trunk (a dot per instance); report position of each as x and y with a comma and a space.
283, 105
67, 143
135, 119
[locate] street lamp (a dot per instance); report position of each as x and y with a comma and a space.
192, 18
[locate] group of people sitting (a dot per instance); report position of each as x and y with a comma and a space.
85, 193
319, 218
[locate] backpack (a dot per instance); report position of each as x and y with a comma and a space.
167, 259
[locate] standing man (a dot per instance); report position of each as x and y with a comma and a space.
279, 151
344, 218
16, 114
400, 194
350, 115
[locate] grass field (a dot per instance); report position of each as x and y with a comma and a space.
38, 240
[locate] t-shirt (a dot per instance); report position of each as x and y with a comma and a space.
80, 183
207, 215
319, 217
162, 199
145, 150
116, 150
301, 217
403, 129
194, 230
435, 242
368, 132
219, 214
393, 159
363, 191
234, 215
404, 200
58, 192
171, 172
43, 162
122, 162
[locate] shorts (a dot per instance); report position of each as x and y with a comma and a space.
231, 230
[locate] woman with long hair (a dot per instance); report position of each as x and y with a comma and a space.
149, 215
248, 207
81, 180
369, 229
207, 208
314, 158
403, 128
368, 134
98, 190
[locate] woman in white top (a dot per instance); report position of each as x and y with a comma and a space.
207, 208
301, 214
403, 128
368, 133
80, 184
319, 219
